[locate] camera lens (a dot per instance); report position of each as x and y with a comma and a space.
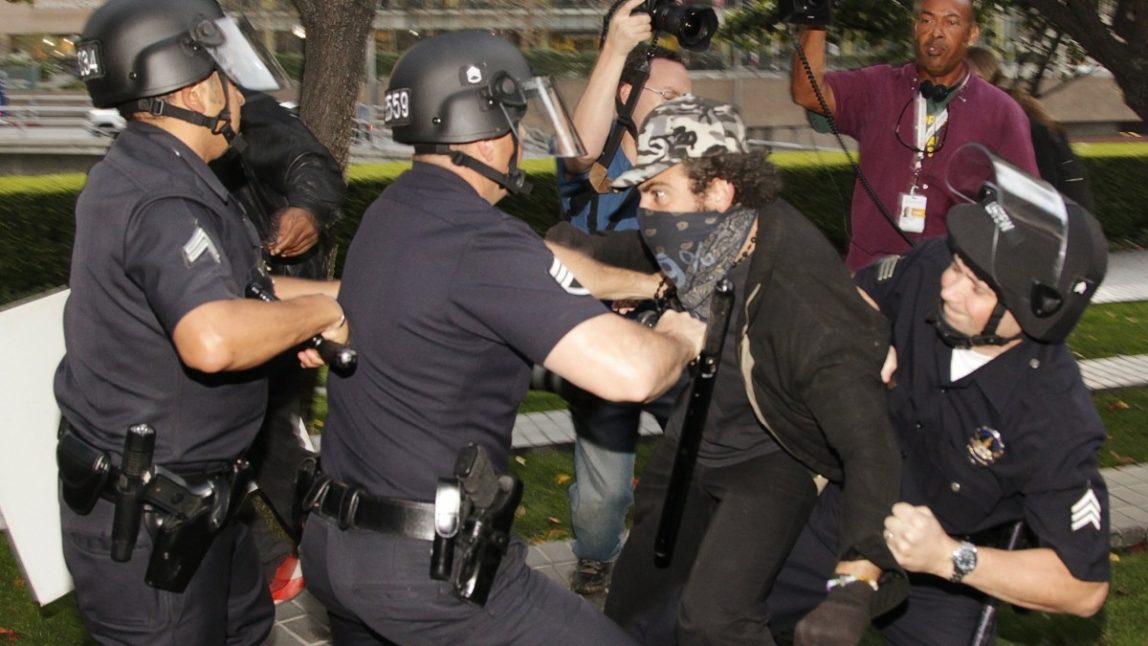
694, 27
697, 28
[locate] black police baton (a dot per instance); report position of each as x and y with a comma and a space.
133, 476
986, 621
701, 390
341, 358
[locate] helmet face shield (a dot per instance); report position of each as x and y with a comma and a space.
1043, 255
238, 53
547, 121
1029, 216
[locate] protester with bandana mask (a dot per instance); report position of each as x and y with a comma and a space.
804, 347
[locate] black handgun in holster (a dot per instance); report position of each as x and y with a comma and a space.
474, 512
181, 514
187, 517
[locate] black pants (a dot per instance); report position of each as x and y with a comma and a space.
226, 602
937, 612
739, 523
275, 456
378, 590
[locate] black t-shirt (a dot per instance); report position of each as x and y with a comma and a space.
157, 235
1015, 439
450, 301
732, 433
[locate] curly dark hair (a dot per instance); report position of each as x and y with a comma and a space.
755, 180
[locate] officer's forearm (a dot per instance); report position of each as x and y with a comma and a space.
620, 360
238, 334
1033, 578
287, 287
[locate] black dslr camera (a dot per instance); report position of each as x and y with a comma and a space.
694, 27
817, 13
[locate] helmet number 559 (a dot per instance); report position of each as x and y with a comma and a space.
397, 107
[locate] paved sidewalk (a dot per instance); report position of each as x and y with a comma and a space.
303, 620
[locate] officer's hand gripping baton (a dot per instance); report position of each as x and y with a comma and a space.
701, 389
341, 358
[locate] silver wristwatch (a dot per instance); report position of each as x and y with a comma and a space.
964, 561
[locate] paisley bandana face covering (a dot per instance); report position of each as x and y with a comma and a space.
696, 249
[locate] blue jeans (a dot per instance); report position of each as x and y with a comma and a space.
602, 492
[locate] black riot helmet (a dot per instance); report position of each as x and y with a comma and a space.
468, 86
1043, 254
134, 50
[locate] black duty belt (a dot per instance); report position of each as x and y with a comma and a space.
351, 507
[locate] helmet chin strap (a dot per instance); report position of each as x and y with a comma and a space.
218, 125
957, 339
513, 180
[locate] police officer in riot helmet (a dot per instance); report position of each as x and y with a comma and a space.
409, 531
993, 418
160, 388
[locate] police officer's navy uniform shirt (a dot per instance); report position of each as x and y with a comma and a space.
451, 301
1015, 439
139, 264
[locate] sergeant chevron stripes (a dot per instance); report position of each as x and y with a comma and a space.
1086, 511
564, 277
197, 245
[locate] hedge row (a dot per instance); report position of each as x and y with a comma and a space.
36, 224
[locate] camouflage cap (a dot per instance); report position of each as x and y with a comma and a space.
688, 127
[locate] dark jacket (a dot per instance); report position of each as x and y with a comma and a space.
811, 356
290, 168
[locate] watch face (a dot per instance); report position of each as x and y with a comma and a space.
964, 560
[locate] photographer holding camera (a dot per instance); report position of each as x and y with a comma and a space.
909, 121
607, 432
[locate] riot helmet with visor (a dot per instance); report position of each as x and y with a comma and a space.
1043, 254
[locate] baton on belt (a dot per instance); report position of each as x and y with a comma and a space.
987, 619
135, 472
341, 358
705, 374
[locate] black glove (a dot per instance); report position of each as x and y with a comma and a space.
839, 620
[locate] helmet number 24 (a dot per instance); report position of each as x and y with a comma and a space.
397, 107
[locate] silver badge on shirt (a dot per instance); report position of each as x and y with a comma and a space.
985, 446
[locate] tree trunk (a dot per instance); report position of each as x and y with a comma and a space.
1121, 46
333, 68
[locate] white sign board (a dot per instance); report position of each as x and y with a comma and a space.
33, 334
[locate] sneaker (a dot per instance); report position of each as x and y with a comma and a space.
591, 577
288, 580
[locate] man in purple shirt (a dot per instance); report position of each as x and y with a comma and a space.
909, 121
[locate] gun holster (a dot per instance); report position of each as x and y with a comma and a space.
305, 477
182, 514
184, 518
85, 471
473, 515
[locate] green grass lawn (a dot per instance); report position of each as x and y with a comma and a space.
1111, 329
